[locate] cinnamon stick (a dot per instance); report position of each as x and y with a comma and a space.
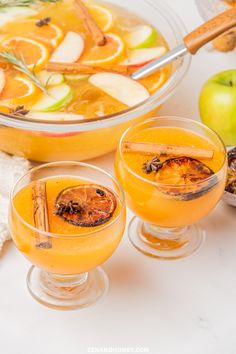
89, 23
165, 150
76, 68
40, 214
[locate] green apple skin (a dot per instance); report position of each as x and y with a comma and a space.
217, 105
149, 42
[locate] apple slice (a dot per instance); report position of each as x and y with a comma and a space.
140, 57
50, 79
54, 116
120, 87
2, 80
70, 49
142, 36
76, 77
56, 98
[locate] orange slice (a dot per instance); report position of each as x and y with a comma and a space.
154, 81
17, 90
112, 51
185, 178
86, 205
34, 53
49, 33
102, 16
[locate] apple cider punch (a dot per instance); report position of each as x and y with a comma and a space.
67, 222
67, 60
173, 171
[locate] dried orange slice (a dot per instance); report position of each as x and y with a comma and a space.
112, 51
18, 90
154, 81
186, 175
49, 33
102, 16
86, 205
34, 53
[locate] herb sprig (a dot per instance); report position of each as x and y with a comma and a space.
15, 3
20, 65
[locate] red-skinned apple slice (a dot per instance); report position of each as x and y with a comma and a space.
69, 50
55, 116
140, 57
122, 88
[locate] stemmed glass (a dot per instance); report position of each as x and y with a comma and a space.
166, 222
65, 275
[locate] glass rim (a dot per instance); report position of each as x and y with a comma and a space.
159, 97
177, 118
69, 236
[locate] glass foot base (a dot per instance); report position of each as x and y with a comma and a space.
67, 292
165, 244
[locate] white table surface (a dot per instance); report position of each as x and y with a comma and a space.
181, 307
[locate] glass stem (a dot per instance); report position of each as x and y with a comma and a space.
63, 286
174, 234
164, 238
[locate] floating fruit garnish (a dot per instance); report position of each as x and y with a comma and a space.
142, 36
102, 16
43, 22
187, 175
34, 53
50, 79
18, 90
34, 28
19, 111
154, 82
140, 57
111, 52
86, 205
152, 166
56, 98
122, 88
70, 49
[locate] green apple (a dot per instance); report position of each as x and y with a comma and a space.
56, 98
217, 105
142, 36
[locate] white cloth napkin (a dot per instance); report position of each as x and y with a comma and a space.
11, 168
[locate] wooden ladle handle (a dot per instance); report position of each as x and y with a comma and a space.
210, 30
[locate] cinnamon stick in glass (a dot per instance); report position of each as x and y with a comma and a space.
166, 150
40, 214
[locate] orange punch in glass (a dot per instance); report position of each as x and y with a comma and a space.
67, 219
173, 171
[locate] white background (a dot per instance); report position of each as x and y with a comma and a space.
182, 307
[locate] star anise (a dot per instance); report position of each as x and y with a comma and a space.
43, 22
70, 208
152, 165
19, 111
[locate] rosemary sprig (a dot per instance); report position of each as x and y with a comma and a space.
14, 3
20, 65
